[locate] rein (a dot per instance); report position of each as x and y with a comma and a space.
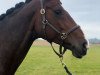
63, 36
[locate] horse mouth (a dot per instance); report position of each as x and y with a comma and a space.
76, 52
77, 55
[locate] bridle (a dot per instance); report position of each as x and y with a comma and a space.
63, 35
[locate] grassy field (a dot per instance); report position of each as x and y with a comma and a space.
43, 61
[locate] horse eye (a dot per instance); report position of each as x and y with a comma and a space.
58, 12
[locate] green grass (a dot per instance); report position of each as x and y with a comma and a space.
43, 61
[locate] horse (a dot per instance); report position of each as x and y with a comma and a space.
21, 25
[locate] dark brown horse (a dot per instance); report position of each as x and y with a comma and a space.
25, 22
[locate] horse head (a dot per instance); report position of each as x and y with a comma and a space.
55, 24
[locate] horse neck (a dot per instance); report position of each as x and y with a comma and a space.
16, 39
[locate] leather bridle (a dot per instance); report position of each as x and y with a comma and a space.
63, 35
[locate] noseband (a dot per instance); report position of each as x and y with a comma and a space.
63, 35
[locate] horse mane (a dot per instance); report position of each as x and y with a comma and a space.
11, 10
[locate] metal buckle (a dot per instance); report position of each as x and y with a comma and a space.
45, 22
42, 11
63, 36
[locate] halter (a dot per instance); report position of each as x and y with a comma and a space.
63, 35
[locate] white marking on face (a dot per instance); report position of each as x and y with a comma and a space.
87, 45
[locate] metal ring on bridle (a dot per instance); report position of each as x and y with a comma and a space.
63, 36
42, 11
45, 22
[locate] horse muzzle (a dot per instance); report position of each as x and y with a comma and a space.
80, 51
